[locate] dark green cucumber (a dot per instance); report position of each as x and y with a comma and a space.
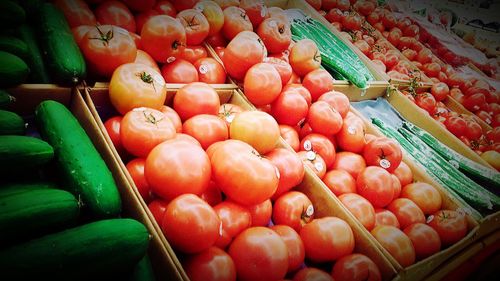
81, 166
11, 123
5, 99
143, 271
14, 188
11, 14
14, 46
63, 57
13, 70
21, 152
38, 71
31, 7
36, 210
93, 248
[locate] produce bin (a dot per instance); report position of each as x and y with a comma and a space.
29, 96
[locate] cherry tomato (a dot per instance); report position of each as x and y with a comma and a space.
276, 34
290, 168
207, 129
314, 161
195, 24
351, 136
236, 20
383, 152
112, 126
212, 264
165, 8
356, 267
136, 171
339, 182
396, 243
210, 71
179, 71
261, 213
361, 208
305, 57
350, 162
324, 119
194, 53
114, 12
262, 84
158, 208
425, 240
234, 219
256, 128
450, 225
385, 217
196, 98
290, 135
296, 252
245, 50
424, 195
406, 211
76, 12
164, 38
311, 273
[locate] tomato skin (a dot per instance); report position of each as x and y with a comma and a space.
290, 135
293, 209
321, 145
424, 195
350, 162
261, 213
212, 264
183, 165
212, 194
173, 116
406, 211
235, 21
305, 57
351, 136
440, 91
244, 51
375, 184
262, 84
207, 129
179, 71
311, 273
427, 102
385, 217
450, 225
76, 12
403, 173
259, 254
195, 24
210, 71
456, 125
165, 8
355, 267
234, 219
183, 5
289, 108
396, 243
196, 98
256, 128
194, 53
140, 5
115, 13
282, 66
290, 168
276, 34
380, 149
361, 208
318, 82
327, 239
136, 171
163, 37
339, 182
142, 18
189, 214
425, 240
296, 252
314, 161
112, 126
158, 208
338, 101
144, 58
324, 119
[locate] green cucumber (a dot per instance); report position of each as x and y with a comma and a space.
11, 14
5, 99
63, 57
13, 70
36, 210
21, 152
14, 188
91, 249
143, 271
11, 123
31, 7
38, 70
81, 167
14, 46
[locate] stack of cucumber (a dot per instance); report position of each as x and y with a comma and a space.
68, 228
38, 51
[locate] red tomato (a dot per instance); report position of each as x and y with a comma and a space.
245, 50
383, 152
343, 5
425, 240
406, 211
394, 36
321, 145
234, 219
424, 195
164, 38
303, 91
327, 239
112, 126
293, 209
427, 102
409, 54
318, 82
324, 119
290, 135
396, 187
295, 79
450, 225
76, 12
114, 12
189, 214
352, 22
311, 273
334, 15
261, 213
360, 208
339, 182
194, 53
196, 98
173, 116
396, 243
256, 128
206, 129
212, 194
183, 5
276, 34
356, 267
236, 20
262, 84
290, 168
186, 137
432, 69
362, 46
79, 33
336, 100
474, 102
142, 18
136, 170
296, 252
165, 8
255, 10
305, 57
140, 5
179, 71
385, 217
351, 136
389, 20
314, 161
411, 30
350, 162
227, 3
424, 56
195, 24
210, 71
213, 13
440, 91
283, 67
144, 58
456, 125
228, 111
210, 265
158, 208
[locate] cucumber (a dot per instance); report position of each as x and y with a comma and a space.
36, 210
143, 271
14, 188
5, 99
90, 249
63, 57
38, 71
11, 14
21, 152
11, 123
31, 7
13, 70
14, 46
81, 167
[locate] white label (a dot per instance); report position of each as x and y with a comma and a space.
310, 155
170, 59
277, 172
230, 118
351, 130
454, 164
307, 145
310, 211
488, 121
430, 218
318, 166
286, 52
384, 163
203, 69
220, 229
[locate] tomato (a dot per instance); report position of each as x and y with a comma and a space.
261, 213
379, 26
142, 18
311, 273
179, 71
425, 240
343, 5
360, 208
411, 30
350, 162
242, 174
316, 4
189, 214
207, 129
314, 161
290, 135
406, 211
194, 53
183, 5
293, 209
212, 194
210, 71
456, 125
79, 33
228, 111
76, 12
262, 84
256, 11
236, 20
376, 185
396, 187
440, 91
112, 126
212, 264
338, 101
259, 254
424, 195
173, 116
296, 252
383, 152
276, 34
227, 3
327, 239
493, 135
492, 157
195, 24
140, 5
158, 208
244, 51
290, 168
351, 136
373, 19
394, 36
196, 98
165, 8
318, 82
234, 219
485, 116
144, 58
303, 91
324, 119
214, 15
450, 225
283, 67
352, 22
164, 38
305, 57
474, 102
321, 145
334, 16
409, 54
256, 128
136, 171
363, 46
391, 60
389, 20
432, 69
114, 12
424, 56
186, 137
294, 79
356, 267
396, 243
385, 217
339, 182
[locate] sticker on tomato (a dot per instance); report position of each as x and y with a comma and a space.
203, 69
351, 130
384, 163
311, 155
318, 166
310, 211
170, 59
307, 145
429, 218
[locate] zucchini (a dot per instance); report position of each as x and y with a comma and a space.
38, 71
14, 188
21, 152
143, 271
13, 70
14, 46
11, 123
81, 167
5, 99
11, 14
35, 210
91, 249
63, 57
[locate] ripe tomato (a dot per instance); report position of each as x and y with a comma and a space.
425, 240
324, 119
112, 126
212, 264
351, 136
424, 56
210, 71
424, 195
411, 30
236, 20
183, 5
165, 8
283, 67
158, 208
385, 217
261, 213
259, 254
352, 22
440, 91
228, 111
303, 91
396, 243
318, 82
245, 50
474, 102
375, 184
196, 98
186, 137
114, 12
76, 12
450, 225
79, 33
144, 58
360, 208
290, 168
194, 53
189, 214
314, 161
456, 125
321, 145
311, 273
339, 182
406, 211
142, 18
195, 24
432, 69
350, 162
305, 57
409, 54
363, 46
290, 135
344, 5
214, 15
255, 10
206, 129
296, 252
212, 194
140, 5
173, 116
179, 71
427, 102
336, 100
396, 187
394, 36
242, 174
136, 171
256, 128
276, 34
234, 219
383, 152
334, 16
290, 108
262, 84
327, 239
356, 267
293, 209
164, 38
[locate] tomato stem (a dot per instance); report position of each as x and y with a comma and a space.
105, 38
147, 78
151, 118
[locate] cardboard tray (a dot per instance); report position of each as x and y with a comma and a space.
29, 96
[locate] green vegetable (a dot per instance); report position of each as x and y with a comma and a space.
13, 70
13, 45
5, 99
143, 271
21, 152
14, 188
39, 73
11, 123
